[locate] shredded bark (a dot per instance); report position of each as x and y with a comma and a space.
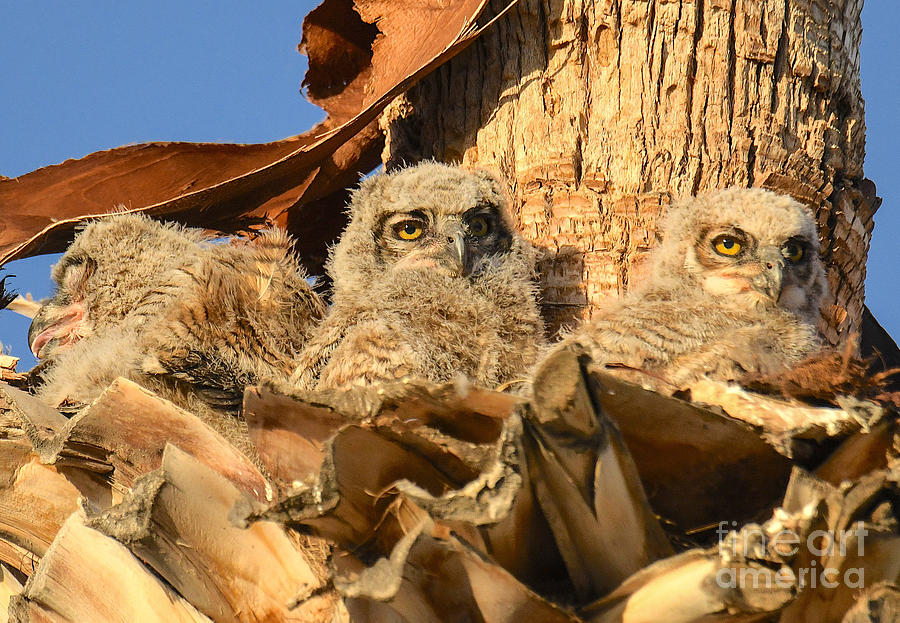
831, 374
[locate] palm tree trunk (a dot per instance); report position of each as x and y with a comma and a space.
599, 113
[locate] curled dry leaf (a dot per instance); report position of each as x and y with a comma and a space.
586, 482
783, 422
452, 455
229, 187
757, 571
35, 499
860, 546
697, 466
8, 372
433, 575
289, 428
366, 464
863, 452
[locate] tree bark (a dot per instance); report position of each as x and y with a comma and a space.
599, 113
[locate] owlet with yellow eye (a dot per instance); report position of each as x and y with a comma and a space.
430, 281
734, 289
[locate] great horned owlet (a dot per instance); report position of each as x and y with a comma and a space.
430, 281
164, 306
735, 289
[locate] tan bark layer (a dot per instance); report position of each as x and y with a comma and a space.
229, 574
87, 576
599, 113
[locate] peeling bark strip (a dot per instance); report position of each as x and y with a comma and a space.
599, 113
229, 574
443, 503
298, 181
65, 588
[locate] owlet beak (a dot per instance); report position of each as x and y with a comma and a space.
456, 251
770, 279
53, 327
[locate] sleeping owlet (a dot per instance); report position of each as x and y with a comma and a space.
430, 281
164, 306
735, 290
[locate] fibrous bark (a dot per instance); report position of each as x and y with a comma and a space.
229, 574
90, 577
599, 113
124, 433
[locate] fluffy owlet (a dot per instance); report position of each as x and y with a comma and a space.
430, 281
106, 280
735, 289
164, 306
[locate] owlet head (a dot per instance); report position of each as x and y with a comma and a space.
431, 217
105, 274
746, 247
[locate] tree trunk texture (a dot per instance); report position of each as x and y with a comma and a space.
599, 113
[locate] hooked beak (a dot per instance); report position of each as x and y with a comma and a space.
55, 326
770, 279
456, 251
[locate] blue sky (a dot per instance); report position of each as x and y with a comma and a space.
80, 77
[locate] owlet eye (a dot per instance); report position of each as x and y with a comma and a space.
409, 230
78, 271
479, 226
726, 245
792, 251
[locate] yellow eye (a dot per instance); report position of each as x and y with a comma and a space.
409, 230
792, 251
479, 226
726, 245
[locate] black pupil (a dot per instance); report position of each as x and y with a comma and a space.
728, 243
410, 228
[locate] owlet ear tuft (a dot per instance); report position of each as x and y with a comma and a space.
270, 252
75, 278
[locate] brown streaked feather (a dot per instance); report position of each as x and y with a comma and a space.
193, 320
369, 353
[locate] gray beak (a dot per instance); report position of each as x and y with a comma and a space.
770, 279
456, 253
38, 324
459, 251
